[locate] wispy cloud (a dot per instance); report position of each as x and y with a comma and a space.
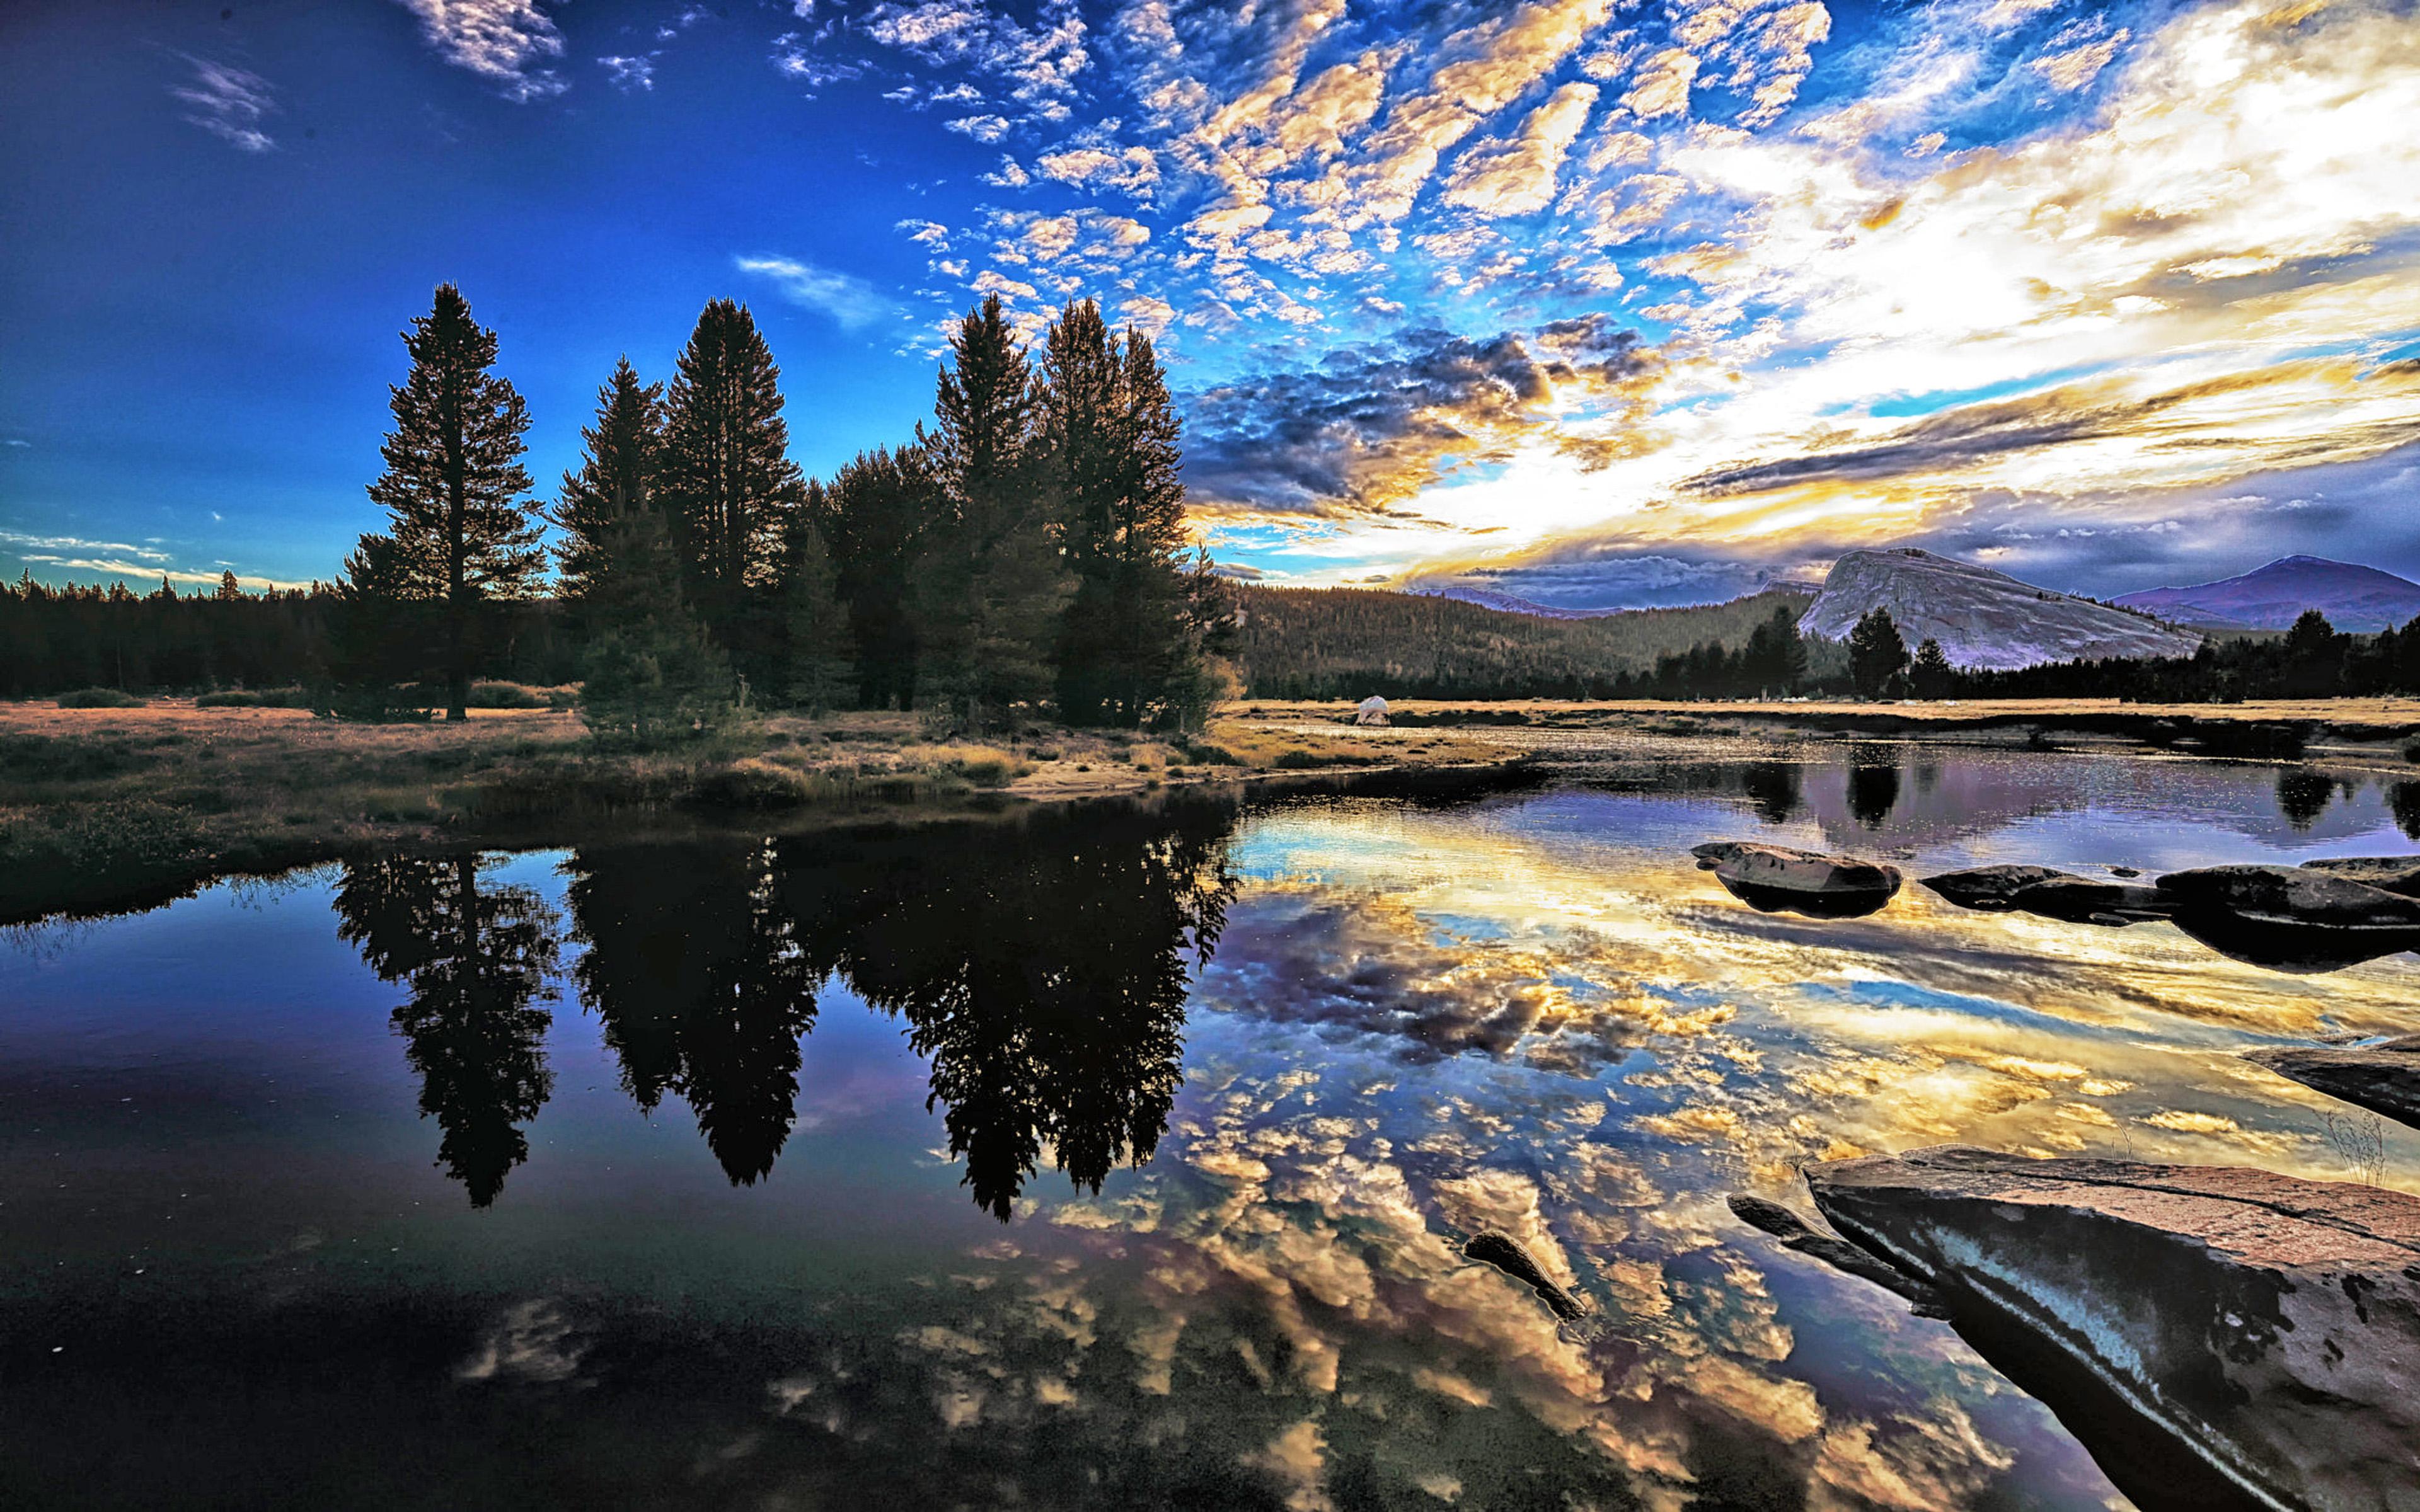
849, 299
500, 41
229, 102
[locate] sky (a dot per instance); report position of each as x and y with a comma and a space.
1591, 302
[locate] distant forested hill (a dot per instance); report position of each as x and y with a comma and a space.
1350, 642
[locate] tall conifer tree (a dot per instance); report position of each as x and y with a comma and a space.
727, 477
815, 624
1128, 638
878, 517
462, 534
991, 585
616, 475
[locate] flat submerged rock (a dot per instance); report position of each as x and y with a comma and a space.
2383, 1078
2264, 1326
1780, 878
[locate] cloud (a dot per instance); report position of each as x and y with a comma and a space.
1661, 87
849, 299
229, 103
981, 128
1515, 176
497, 39
1132, 171
2076, 67
628, 74
1368, 429
791, 57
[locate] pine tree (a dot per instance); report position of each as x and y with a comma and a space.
814, 625
876, 520
616, 475
650, 671
991, 587
1876, 654
727, 477
1931, 676
1110, 429
229, 589
461, 535
1774, 660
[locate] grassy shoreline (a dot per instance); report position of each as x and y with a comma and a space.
108, 808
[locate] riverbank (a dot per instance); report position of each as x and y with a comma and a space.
107, 809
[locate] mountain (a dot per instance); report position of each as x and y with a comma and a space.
1507, 603
1981, 618
2268, 598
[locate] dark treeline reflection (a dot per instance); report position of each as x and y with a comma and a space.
1874, 784
1042, 969
478, 961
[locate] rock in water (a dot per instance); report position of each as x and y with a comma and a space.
2293, 919
2267, 1327
1993, 887
1373, 711
2387, 874
1505, 1252
1797, 1233
2083, 901
1776, 878
2383, 1078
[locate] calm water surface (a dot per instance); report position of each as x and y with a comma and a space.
1112, 1161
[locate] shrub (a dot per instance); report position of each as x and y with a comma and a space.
253, 697
755, 784
486, 695
1212, 756
1296, 761
100, 698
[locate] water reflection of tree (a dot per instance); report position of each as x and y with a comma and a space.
1042, 969
1043, 973
2303, 795
478, 961
692, 968
1773, 788
2403, 801
1873, 785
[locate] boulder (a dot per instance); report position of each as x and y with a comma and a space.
2083, 901
1776, 878
1993, 887
2262, 1333
1373, 711
1505, 1252
2383, 1078
2293, 919
2387, 874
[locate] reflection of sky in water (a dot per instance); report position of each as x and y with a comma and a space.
1530, 1014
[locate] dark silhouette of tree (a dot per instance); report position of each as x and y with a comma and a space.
814, 625
2303, 795
2403, 801
990, 582
616, 476
229, 589
1774, 658
1931, 676
1873, 785
1772, 787
462, 535
479, 962
648, 669
1876, 654
693, 973
727, 475
1109, 429
876, 517
2314, 657
1046, 979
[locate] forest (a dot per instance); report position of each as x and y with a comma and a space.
1026, 550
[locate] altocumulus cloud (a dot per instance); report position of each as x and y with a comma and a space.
500, 41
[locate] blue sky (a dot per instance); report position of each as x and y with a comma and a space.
1592, 302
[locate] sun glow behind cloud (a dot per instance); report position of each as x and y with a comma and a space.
2009, 258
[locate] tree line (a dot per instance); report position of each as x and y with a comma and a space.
1027, 549
2313, 660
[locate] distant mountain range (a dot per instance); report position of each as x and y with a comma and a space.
1507, 603
2271, 597
1982, 618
